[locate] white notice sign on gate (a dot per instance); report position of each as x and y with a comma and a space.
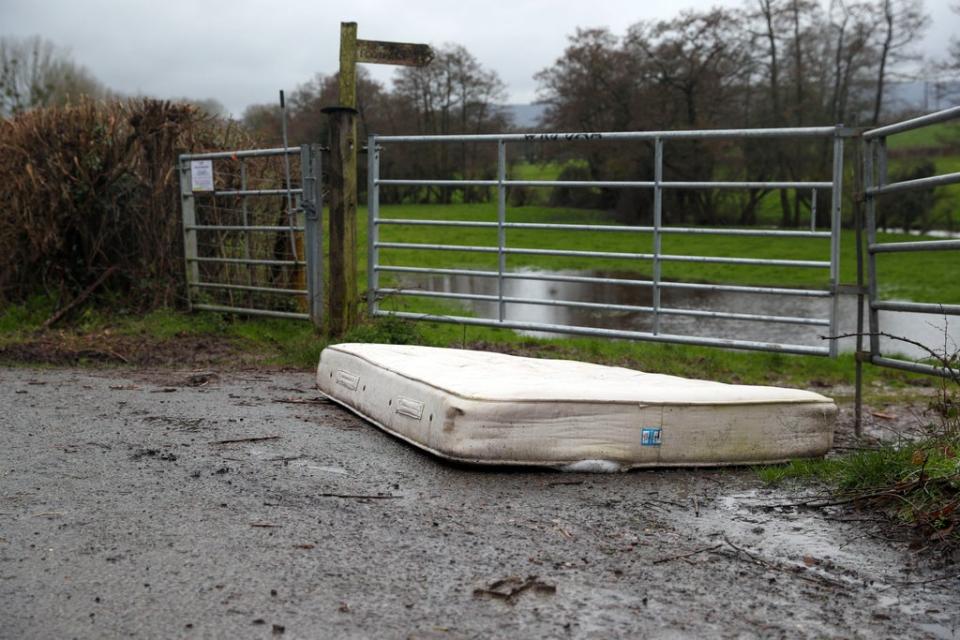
201, 175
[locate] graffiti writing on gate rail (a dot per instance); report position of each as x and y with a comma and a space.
562, 136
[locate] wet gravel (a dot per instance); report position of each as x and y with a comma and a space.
185, 504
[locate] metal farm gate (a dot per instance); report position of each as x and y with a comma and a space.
875, 186
252, 236
647, 245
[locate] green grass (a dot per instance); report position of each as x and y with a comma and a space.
917, 482
541, 170
931, 137
897, 272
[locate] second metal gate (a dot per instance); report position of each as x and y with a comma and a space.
655, 257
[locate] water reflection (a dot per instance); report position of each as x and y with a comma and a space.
927, 329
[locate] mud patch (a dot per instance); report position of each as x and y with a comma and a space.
140, 350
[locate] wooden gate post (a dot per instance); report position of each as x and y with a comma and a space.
343, 305
344, 301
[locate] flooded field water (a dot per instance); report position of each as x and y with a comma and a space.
930, 330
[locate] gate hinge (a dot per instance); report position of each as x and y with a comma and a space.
309, 209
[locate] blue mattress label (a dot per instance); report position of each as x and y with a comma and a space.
650, 436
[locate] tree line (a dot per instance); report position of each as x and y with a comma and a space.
770, 63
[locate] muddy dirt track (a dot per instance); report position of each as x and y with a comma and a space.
126, 510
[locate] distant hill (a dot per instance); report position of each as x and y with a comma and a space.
525, 116
922, 96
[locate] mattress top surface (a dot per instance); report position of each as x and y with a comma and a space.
483, 375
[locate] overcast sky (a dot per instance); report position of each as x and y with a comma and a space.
242, 51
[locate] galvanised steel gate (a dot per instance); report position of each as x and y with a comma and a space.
875, 186
655, 257
252, 237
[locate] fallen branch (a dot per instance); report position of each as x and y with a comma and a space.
255, 439
56, 317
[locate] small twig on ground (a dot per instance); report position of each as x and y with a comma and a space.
317, 400
910, 583
796, 570
255, 439
509, 589
351, 496
687, 555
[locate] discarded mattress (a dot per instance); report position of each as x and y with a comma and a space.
490, 408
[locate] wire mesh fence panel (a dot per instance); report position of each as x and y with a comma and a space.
245, 217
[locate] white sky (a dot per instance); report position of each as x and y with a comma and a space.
242, 51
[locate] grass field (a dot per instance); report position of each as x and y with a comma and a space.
898, 273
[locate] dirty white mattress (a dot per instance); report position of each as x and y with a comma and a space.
490, 408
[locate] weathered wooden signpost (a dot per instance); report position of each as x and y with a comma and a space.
344, 300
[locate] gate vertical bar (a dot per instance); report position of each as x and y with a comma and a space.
373, 229
813, 210
657, 222
247, 236
870, 181
836, 203
189, 233
311, 201
858, 206
501, 220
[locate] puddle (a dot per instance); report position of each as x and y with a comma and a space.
818, 545
924, 328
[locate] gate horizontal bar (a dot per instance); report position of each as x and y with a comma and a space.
437, 183
604, 254
746, 185
784, 132
761, 233
258, 192
248, 261
913, 123
434, 223
577, 254
812, 293
245, 287
600, 184
924, 245
773, 233
919, 183
917, 307
746, 261
240, 227
433, 247
915, 367
602, 306
252, 312
246, 153
605, 184
615, 333
420, 293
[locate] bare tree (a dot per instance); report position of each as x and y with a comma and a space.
35, 73
453, 94
901, 24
